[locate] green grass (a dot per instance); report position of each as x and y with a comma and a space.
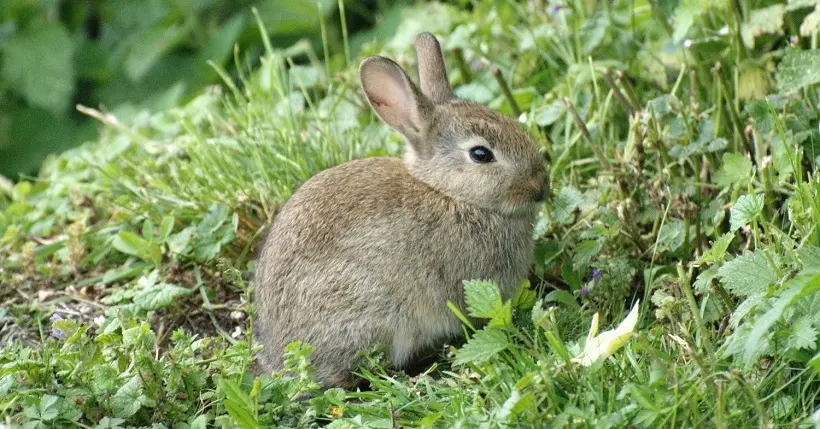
684, 148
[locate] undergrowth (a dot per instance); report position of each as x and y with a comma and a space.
684, 147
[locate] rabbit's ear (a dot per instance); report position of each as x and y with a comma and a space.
432, 71
395, 98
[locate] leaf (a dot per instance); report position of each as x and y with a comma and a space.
128, 399
565, 203
131, 244
798, 287
150, 46
802, 334
686, 14
165, 228
563, 297
810, 257
238, 404
585, 251
717, 253
48, 407
747, 274
216, 216
159, 296
38, 63
798, 69
547, 115
736, 169
178, 243
745, 307
482, 346
483, 298
767, 20
705, 279
746, 209
672, 234
200, 422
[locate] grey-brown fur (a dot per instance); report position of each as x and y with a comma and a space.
369, 252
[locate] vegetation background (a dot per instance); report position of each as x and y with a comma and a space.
684, 145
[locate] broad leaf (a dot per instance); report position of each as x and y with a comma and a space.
747, 274
798, 69
482, 346
483, 298
128, 399
747, 208
565, 203
736, 170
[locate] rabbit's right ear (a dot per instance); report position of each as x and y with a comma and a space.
396, 100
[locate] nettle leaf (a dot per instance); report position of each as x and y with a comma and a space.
802, 334
565, 204
767, 20
747, 274
38, 62
801, 285
798, 69
128, 399
672, 234
745, 307
705, 279
482, 346
736, 169
747, 208
159, 296
810, 257
717, 253
483, 298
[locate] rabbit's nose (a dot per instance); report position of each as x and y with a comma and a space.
542, 188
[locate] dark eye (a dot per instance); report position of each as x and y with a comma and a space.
481, 155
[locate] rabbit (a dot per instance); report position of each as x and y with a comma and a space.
369, 252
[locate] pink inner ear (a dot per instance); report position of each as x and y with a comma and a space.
390, 93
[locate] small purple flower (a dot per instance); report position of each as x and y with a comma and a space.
584, 292
555, 9
596, 274
55, 317
57, 334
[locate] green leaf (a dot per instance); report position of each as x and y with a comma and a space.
802, 334
150, 46
736, 169
798, 69
482, 346
705, 279
38, 63
160, 296
165, 228
810, 257
563, 297
767, 20
671, 235
717, 253
585, 252
200, 422
178, 243
128, 399
238, 404
216, 216
565, 203
547, 115
49, 407
483, 298
801, 285
746, 209
131, 244
747, 274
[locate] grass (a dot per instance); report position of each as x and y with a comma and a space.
684, 144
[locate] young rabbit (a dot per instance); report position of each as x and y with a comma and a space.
369, 252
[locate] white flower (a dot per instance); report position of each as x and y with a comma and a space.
604, 345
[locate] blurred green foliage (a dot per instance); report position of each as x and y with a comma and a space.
129, 57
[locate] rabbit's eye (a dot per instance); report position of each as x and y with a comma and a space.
481, 155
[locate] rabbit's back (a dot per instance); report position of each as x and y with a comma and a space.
363, 253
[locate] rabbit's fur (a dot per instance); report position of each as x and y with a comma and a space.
369, 252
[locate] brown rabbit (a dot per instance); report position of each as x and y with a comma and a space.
369, 252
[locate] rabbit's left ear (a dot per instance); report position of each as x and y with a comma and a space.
432, 71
